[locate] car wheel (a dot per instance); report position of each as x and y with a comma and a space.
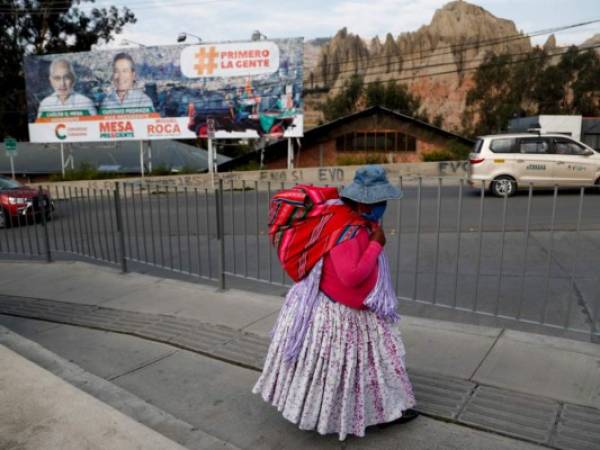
597, 186
503, 186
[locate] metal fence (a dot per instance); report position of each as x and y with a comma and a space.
531, 259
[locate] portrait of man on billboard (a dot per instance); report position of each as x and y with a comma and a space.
126, 96
64, 100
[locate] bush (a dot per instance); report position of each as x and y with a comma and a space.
251, 165
85, 171
439, 155
161, 169
454, 151
359, 160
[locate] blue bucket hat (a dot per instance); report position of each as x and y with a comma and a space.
370, 185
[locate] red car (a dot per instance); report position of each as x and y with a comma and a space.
21, 203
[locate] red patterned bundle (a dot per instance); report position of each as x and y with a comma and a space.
305, 222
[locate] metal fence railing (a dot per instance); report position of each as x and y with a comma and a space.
530, 259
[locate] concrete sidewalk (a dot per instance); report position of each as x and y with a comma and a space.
39, 410
553, 378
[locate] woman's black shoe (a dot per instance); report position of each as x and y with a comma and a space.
407, 416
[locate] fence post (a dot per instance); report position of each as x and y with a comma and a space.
220, 233
120, 230
42, 205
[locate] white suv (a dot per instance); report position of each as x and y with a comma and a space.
507, 162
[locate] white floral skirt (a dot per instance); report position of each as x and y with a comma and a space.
349, 374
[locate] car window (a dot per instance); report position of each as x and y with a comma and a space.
477, 147
504, 145
567, 147
7, 183
538, 146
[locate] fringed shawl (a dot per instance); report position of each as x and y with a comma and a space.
304, 295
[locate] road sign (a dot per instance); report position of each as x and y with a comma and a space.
10, 146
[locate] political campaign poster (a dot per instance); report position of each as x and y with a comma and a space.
245, 90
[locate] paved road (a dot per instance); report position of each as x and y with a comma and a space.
544, 276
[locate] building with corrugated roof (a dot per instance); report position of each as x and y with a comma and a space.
34, 160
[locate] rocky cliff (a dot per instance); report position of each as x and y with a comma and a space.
437, 61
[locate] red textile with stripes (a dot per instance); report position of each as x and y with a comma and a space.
304, 227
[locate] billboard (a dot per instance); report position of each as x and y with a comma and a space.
228, 90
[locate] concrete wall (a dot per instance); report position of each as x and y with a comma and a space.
313, 175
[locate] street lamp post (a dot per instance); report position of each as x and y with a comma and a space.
129, 42
257, 36
181, 37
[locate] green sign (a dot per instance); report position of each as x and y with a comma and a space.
10, 145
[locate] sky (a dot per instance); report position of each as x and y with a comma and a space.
160, 21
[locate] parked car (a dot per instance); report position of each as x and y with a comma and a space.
505, 163
20, 203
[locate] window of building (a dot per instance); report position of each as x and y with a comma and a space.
400, 142
390, 141
350, 141
371, 142
380, 141
411, 144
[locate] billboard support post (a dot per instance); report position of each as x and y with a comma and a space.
71, 159
210, 161
215, 161
142, 158
210, 156
290, 164
62, 159
149, 157
262, 157
210, 123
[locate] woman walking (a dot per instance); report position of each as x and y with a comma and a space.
336, 363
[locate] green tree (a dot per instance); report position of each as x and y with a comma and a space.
345, 101
538, 83
490, 103
375, 94
45, 26
438, 121
549, 91
389, 95
581, 72
393, 96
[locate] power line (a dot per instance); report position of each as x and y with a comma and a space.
477, 60
408, 78
131, 5
453, 48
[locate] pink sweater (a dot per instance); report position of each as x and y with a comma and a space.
350, 270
